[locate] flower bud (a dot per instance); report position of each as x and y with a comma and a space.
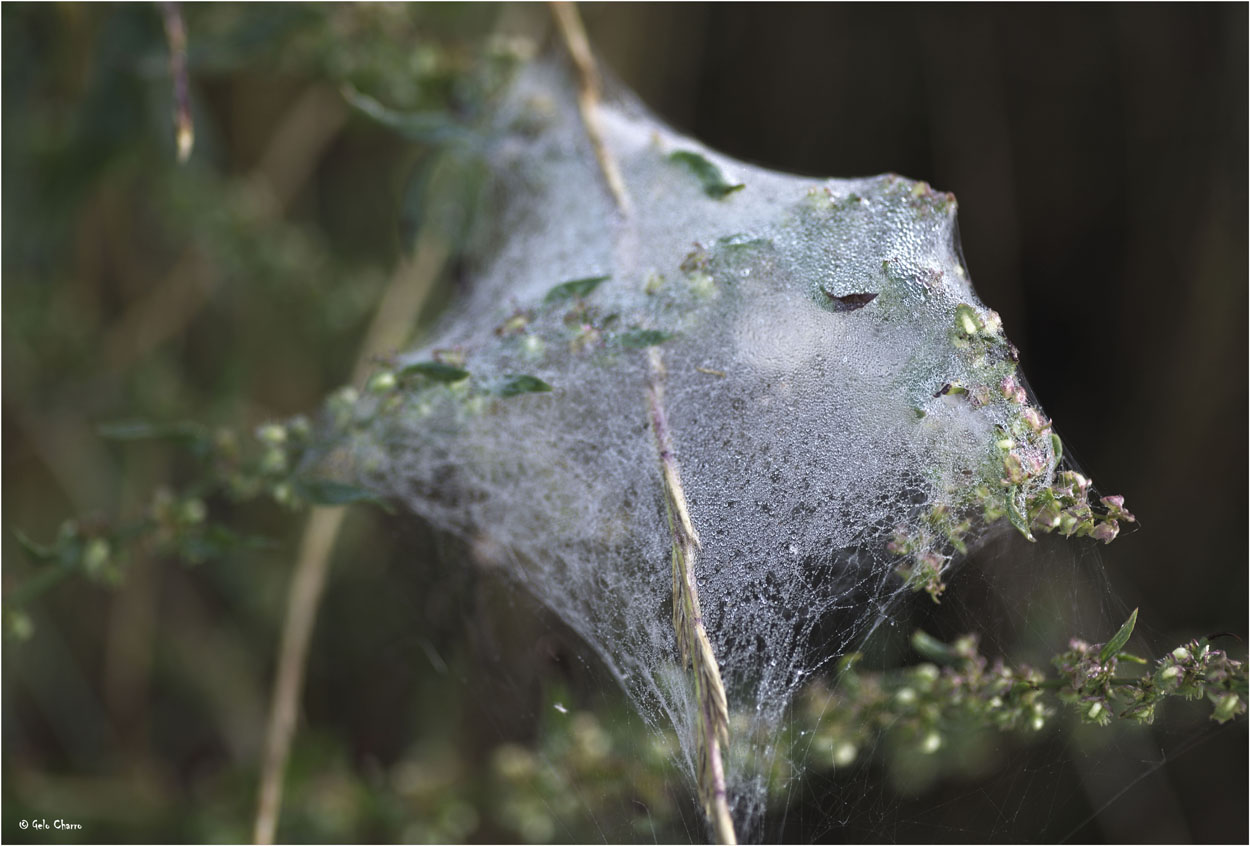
1227, 707
382, 382
1034, 420
1105, 531
193, 511
966, 319
272, 434
95, 557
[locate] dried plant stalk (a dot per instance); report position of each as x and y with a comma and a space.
712, 711
176, 34
573, 34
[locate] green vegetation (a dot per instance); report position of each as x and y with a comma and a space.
233, 291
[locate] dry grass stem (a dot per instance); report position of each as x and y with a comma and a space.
176, 35
589, 92
397, 311
712, 712
305, 596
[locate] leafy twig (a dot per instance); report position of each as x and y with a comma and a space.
711, 710
961, 688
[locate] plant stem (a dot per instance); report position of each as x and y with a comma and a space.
712, 712
176, 34
396, 313
574, 36
305, 596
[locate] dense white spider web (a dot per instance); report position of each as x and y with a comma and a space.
831, 379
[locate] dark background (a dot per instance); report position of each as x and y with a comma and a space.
1099, 155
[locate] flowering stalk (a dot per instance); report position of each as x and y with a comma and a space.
711, 710
960, 690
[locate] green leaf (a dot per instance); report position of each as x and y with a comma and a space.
1015, 517
740, 242
933, 649
139, 430
216, 542
435, 370
330, 492
574, 288
1056, 447
37, 551
1116, 643
435, 128
714, 183
516, 385
639, 339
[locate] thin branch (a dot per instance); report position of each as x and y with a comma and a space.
305, 596
301, 138
397, 311
589, 93
176, 34
712, 712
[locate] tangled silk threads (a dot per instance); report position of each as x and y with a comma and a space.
846, 413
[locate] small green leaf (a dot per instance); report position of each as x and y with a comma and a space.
218, 541
933, 649
425, 127
740, 244
37, 551
516, 385
138, 430
330, 492
1016, 518
574, 288
436, 370
1116, 643
639, 339
1056, 446
714, 183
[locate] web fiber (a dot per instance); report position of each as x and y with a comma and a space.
818, 403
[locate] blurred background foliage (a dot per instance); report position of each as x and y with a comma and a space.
1100, 158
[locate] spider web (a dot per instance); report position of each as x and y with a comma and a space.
844, 410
